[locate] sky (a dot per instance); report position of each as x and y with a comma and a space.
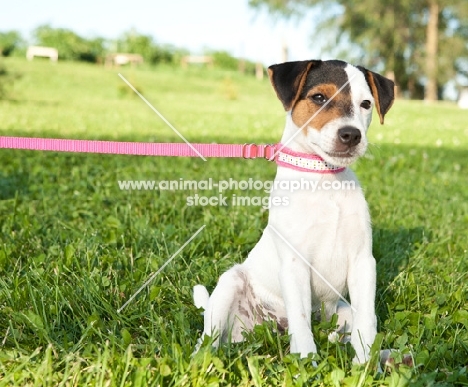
195, 25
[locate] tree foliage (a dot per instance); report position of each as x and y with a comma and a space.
70, 45
145, 45
9, 42
392, 34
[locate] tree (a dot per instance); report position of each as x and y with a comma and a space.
70, 45
9, 42
145, 45
136, 43
401, 37
432, 42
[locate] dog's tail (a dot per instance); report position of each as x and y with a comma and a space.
200, 296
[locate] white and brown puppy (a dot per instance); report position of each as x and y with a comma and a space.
320, 245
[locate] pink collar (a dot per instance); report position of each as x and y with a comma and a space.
304, 162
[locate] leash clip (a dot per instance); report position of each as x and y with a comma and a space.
252, 151
249, 151
270, 151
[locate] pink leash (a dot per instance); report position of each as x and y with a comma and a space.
284, 157
248, 151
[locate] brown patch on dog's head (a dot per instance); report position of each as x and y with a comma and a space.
307, 107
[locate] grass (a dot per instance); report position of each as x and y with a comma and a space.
74, 247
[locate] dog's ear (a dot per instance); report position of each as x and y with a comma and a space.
383, 91
288, 80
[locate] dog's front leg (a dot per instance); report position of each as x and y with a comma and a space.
361, 285
296, 292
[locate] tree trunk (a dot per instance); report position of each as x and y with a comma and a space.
432, 40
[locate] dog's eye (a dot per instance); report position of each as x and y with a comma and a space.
319, 98
366, 104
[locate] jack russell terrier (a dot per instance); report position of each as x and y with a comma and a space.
318, 247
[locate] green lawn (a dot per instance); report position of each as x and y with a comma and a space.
74, 247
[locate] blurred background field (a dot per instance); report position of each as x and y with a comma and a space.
80, 100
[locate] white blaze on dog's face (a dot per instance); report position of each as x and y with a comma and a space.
330, 106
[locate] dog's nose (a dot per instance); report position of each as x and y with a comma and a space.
349, 135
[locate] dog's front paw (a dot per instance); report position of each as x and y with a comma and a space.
391, 359
360, 360
303, 345
197, 346
362, 355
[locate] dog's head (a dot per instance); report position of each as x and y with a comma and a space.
330, 106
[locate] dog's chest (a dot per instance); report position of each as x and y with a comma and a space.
329, 243
328, 228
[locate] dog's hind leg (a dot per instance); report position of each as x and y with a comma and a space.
228, 312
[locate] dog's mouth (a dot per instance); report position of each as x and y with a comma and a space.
342, 158
336, 157
348, 153
345, 154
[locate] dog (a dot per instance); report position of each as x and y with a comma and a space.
318, 247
